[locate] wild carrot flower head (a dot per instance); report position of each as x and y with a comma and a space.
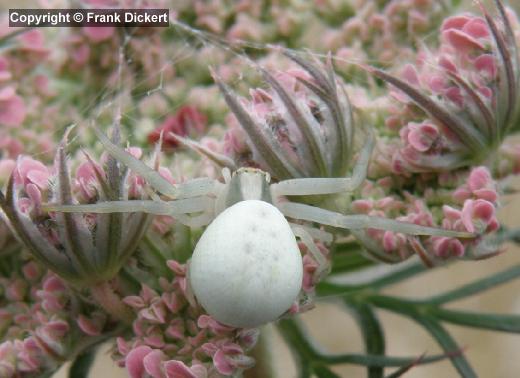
80, 248
467, 91
301, 126
38, 329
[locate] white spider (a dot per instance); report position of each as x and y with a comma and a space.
246, 269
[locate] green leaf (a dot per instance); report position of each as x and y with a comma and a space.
448, 344
477, 286
345, 260
82, 364
372, 331
403, 370
305, 353
324, 372
495, 322
398, 276
382, 361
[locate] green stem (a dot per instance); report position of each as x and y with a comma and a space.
105, 296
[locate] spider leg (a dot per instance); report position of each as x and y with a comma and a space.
361, 221
317, 186
193, 188
323, 265
315, 233
178, 209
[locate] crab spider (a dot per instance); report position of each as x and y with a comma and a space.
246, 269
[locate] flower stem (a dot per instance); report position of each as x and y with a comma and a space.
111, 302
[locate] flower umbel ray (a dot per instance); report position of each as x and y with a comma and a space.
302, 126
469, 86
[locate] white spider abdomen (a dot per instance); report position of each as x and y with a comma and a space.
246, 269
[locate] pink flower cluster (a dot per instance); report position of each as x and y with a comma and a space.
266, 107
12, 106
477, 197
39, 330
459, 91
382, 32
173, 338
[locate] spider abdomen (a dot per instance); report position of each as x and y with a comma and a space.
246, 269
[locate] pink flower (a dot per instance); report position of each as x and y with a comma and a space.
479, 185
187, 121
98, 34
134, 361
422, 136
479, 215
228, 358
86, 180
30, 171
12, 107
447, 247
459, 93
178, 369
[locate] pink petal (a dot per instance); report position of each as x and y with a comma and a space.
467, 216
135, 152
451, 213
486, 194
152, 363
454, 94
437, 83
423, 136
456, 22
177, 369
88, 326
98, 34
486, 92
461, 40
389, 241
447, 64
479, 178
409, 73
12, 111
134, 361
477, 28
483, 210
446, 247
40, 178
362, 206
487, 64
222, 363
134, 301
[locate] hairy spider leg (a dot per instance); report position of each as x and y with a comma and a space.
361, 221
193, 188
318, 186
179, 209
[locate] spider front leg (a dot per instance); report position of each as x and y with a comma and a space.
193, 188
319, 186
361, 221
178, 209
